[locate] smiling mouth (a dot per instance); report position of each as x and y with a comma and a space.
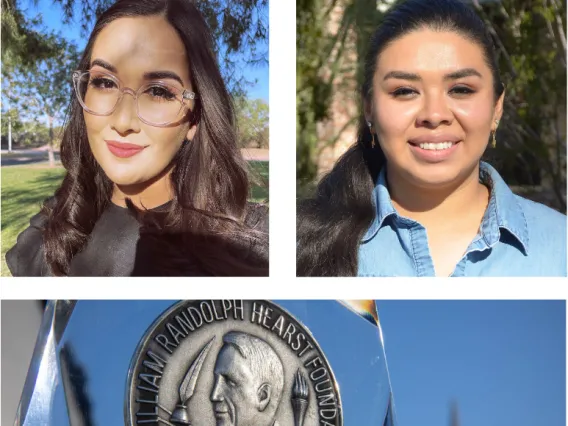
435, 151
435, 146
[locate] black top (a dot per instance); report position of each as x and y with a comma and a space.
114, 248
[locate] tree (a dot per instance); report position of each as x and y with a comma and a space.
331, 37
252, 120
312, 91
25, 133
16, 121
530, 36
43, 89
22, 44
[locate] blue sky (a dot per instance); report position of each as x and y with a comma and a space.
503, 362
52, 19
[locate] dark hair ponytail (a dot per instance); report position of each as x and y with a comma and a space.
330, 225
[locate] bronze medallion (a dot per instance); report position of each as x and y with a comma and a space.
230, 363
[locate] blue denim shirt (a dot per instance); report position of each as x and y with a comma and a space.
517, 237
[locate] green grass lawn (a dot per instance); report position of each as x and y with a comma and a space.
23, 191
24, 188
259, 181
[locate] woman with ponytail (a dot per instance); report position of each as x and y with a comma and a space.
412, 197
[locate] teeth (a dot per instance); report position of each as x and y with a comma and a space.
436, 146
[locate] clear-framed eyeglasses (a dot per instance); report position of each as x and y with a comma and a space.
157, 103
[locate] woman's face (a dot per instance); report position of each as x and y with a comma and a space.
132, 49
432, 107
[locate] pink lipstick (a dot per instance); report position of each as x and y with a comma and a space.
123, 149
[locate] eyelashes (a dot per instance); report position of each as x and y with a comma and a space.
462, 90
403, 92
409, 92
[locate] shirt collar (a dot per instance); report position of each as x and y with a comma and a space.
383, 205
503, 210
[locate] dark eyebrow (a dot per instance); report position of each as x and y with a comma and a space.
103, 64
401, 75
152, 75
157, 75
466, 72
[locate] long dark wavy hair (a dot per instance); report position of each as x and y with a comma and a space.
207, 220
330, 225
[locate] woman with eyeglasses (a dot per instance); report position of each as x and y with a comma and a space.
155, 182
412, 197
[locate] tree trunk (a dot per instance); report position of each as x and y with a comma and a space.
50, 146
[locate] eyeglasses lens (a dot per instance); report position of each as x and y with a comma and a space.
158, 103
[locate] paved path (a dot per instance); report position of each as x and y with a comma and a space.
255, 154
25, 157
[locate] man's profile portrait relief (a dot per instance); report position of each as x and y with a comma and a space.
248, 382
